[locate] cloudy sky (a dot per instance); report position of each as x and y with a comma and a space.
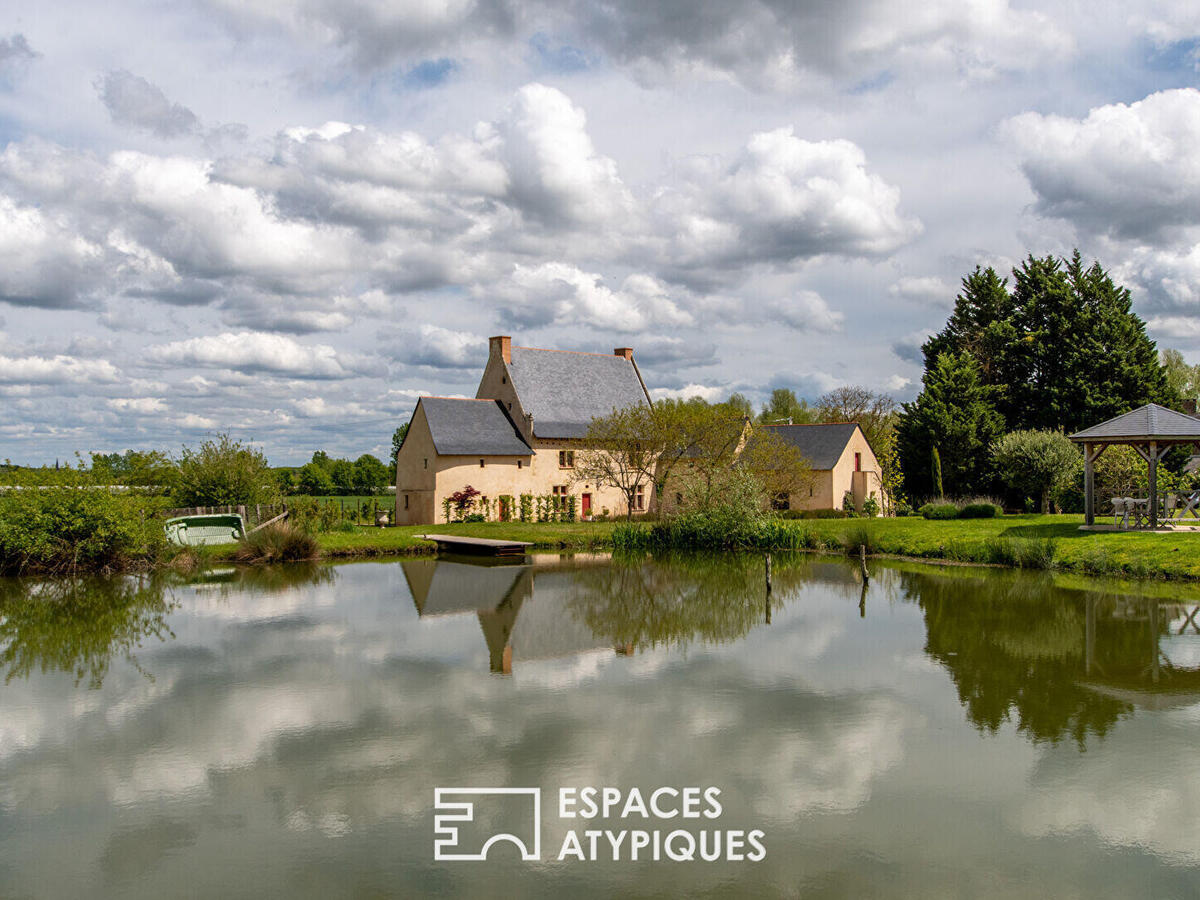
289, 218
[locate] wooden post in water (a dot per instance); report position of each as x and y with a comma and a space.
768, 600
862, 560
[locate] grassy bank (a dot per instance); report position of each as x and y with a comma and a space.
1050, 542
406, 540
1030, 541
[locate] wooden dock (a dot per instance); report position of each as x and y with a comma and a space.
453, 543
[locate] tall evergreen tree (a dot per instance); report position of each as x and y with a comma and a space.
955, 414
1062, 346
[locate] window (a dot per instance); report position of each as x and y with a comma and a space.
510, 406
559, 490
481, 464
504, 380
427, 462
566, 459
810, 490
857, 462
520, 463
406, 501
639, 502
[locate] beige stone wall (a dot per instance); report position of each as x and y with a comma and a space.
537, 475
844, 478
496, 384
820, 494
420, 491
416, 471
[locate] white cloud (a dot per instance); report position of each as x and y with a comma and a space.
1127, 170
803, 310
556, 175
442, 348
56, 370
43, 260
560, 293
929, 290
134, 101
141, 406
765, 44
784, 199
1180, 327
253, 351
704, 392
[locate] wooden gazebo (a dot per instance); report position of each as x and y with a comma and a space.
1151, 430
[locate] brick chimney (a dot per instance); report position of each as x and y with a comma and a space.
501, 346
624, 352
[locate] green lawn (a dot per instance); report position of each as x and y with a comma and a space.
406, 538
1131, 554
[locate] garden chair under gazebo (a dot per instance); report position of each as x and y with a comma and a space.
1151, 430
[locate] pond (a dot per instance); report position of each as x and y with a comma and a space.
282, 732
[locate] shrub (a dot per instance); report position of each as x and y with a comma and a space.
870, 506
630, 536
68, 528
475, 517
224, 472
527, 508
848, 502
277, 543
1034, 553
859, 536
980, 511
939, 511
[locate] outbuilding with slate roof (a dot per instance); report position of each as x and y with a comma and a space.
842, 462
518, 436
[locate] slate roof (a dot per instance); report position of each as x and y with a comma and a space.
564, 391
822, 445
1146, 423
472, 428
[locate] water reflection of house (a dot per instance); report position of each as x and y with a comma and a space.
523, 609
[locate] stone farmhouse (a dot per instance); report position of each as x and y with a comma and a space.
530, 414
519, 435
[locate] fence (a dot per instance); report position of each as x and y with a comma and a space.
253, 514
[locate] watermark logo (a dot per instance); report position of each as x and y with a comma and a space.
461, 831
649, 825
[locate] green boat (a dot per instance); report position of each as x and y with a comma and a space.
195, 531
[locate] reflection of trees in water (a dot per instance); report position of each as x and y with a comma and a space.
78, 625
1015, 646
265, 579
672, 600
